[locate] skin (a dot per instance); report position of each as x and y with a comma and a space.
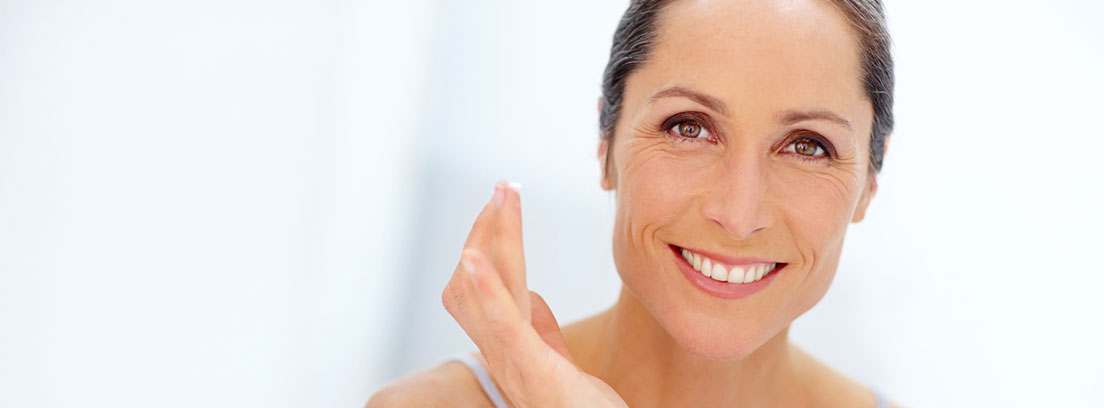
738, 187
745, 194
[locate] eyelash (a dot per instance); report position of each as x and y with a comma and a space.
822, 144
670, 125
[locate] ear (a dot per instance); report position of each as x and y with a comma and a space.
603, 155
603, 152
867, 194
870, 190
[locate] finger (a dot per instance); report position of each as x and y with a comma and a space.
500, 311
462, 303
547, 328
523, 365
509, 255
497, 234
482, 232
459, 293
511, 337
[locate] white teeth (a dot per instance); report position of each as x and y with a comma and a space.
719, 273
736, 275
750, 275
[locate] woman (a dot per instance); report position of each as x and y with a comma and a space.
741, 138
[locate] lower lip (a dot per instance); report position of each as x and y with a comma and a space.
720, 289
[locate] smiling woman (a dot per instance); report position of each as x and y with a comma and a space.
740, 139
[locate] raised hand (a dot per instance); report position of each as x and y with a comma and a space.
513, 327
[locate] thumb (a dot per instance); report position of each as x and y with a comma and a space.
545, 324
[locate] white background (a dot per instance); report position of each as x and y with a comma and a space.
256, 203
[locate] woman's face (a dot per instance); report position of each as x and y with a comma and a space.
745, 135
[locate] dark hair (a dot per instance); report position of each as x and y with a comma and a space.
636, 33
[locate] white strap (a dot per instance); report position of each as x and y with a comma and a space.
484, 378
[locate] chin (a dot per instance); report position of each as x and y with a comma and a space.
712, 335
712, 338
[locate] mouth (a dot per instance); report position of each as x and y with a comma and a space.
723, 276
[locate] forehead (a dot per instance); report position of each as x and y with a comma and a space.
758, 57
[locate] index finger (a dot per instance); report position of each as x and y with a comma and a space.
509, 257
497, 234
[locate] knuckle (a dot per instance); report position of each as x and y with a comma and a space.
447, 299
453, 297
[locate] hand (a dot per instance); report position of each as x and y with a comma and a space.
515, 331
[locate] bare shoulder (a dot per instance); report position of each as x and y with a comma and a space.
828, 385
449, 384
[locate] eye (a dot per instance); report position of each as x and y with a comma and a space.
689, 129
808, 148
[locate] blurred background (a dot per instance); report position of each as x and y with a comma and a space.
257, 203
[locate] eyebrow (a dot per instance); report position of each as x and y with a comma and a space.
703, 99
793, 116
787, 118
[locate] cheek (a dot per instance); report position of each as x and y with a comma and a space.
652, 194
816, 208
817, 202
652, 186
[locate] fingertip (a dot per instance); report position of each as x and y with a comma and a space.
483, 274
513, 188
536, 297
469, 258
499, 194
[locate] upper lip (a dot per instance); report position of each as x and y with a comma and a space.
730, 260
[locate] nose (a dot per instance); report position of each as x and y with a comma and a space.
738, 201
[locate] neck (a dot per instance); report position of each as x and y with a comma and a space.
625, 347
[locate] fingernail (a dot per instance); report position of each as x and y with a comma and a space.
499, 195
515, 186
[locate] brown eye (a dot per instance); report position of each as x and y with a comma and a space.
805, 147
689, 129
808, 148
